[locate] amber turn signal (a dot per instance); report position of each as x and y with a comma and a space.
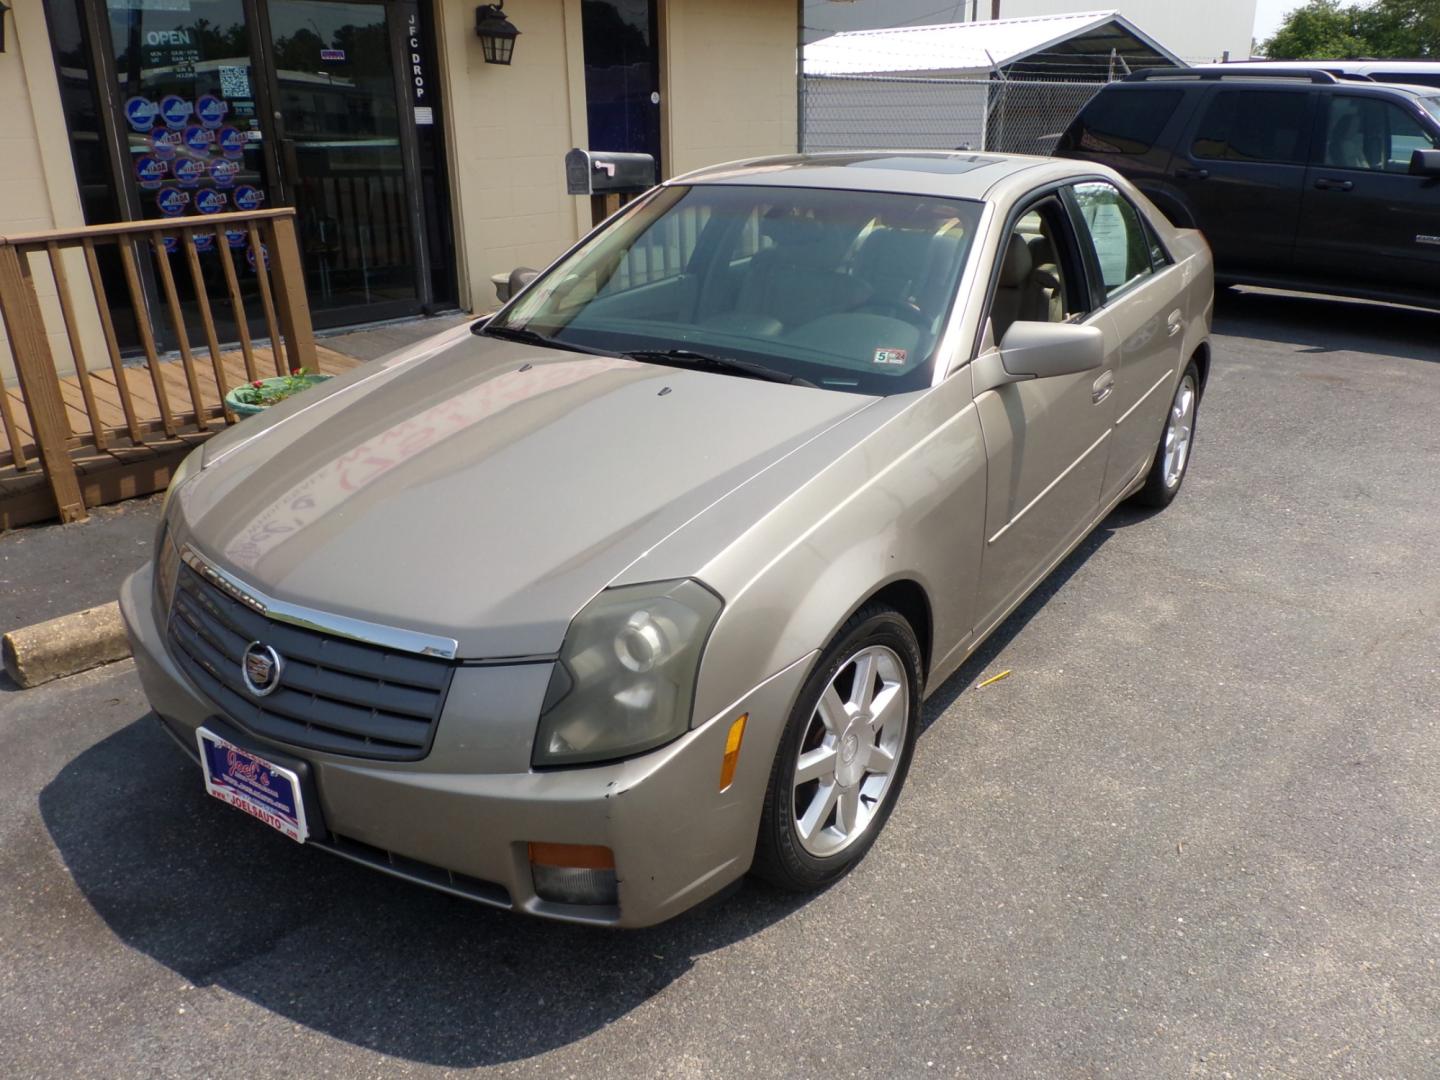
732, 751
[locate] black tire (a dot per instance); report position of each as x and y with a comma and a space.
1161, 486
781, 857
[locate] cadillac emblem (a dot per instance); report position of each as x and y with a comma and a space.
260, 669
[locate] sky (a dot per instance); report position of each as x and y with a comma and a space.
1269, 14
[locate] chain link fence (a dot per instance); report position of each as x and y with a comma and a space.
867, 112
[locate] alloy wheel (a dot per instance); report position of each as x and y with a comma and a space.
1178, 431
849, 750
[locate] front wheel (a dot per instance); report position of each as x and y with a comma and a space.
1172, 456
844, 754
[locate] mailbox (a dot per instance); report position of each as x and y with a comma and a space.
596, 172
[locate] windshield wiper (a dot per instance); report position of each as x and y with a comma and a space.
712, 362
533, 337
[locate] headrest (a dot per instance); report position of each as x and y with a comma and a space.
788, 230
1018, 263
1041, 250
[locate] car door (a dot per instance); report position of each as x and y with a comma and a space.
1241, 171
1364, 218
1139, 293
1044, 438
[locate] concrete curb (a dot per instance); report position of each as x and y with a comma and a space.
64, 646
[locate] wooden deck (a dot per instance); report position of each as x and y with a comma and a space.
123, 468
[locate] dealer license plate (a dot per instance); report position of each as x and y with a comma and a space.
248, 782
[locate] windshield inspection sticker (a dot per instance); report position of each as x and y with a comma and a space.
891, 356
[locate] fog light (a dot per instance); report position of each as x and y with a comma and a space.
574, 874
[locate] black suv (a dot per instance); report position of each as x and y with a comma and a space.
1298, 179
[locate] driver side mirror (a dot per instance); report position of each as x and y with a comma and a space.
1425, 163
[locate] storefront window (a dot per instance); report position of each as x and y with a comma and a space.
192, 125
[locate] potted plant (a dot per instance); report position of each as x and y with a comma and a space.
262, 393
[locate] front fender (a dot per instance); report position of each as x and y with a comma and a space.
906, 503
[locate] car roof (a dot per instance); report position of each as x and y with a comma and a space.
957, 174
1286, 76
1360, 67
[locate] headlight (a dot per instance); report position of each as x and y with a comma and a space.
167, 555
186, 469
625, 679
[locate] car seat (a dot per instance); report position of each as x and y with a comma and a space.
794, 281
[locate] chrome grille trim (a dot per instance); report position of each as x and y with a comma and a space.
370, 633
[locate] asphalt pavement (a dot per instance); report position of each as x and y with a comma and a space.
1193, 834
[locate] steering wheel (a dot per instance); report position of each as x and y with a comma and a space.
904, 310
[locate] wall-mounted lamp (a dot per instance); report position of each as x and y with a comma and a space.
4, 10
497, 33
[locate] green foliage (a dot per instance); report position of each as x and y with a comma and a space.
271, 391
1325, 30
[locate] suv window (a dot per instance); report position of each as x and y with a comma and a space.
1122, 121
1252, 125
1118, 236
1370, 133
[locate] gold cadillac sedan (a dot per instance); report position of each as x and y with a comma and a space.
593, 607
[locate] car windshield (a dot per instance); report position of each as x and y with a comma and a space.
847, 290
1431, 104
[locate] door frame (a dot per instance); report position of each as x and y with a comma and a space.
267, 100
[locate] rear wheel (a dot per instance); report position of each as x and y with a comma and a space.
1177, 438
844, 754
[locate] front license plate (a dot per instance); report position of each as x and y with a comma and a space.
250, 783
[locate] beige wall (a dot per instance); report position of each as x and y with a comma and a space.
728, 71
728, 91
37, 178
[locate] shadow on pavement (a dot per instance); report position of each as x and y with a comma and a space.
377, 962
968, 672
1329, 324
347, 951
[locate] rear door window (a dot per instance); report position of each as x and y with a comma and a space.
1253, 125
1122, 121
1115, 230
1373, 134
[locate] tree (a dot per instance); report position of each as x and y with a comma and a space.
1324, 30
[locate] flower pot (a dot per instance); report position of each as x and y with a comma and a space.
242, 409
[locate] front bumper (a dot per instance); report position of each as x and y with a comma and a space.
461, 819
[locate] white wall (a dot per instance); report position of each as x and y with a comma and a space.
1193, 30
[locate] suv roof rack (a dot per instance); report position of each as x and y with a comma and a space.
1314, 75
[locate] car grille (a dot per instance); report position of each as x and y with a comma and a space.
335, 695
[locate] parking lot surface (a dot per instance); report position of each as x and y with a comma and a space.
1193, 834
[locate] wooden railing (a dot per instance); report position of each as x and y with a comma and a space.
117, 403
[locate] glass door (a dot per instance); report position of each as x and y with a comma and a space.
345, 155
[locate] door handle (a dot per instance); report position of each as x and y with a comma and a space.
1176, 322
1187, 172
1327, 184
1102, 387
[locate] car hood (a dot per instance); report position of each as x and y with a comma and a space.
484, 490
